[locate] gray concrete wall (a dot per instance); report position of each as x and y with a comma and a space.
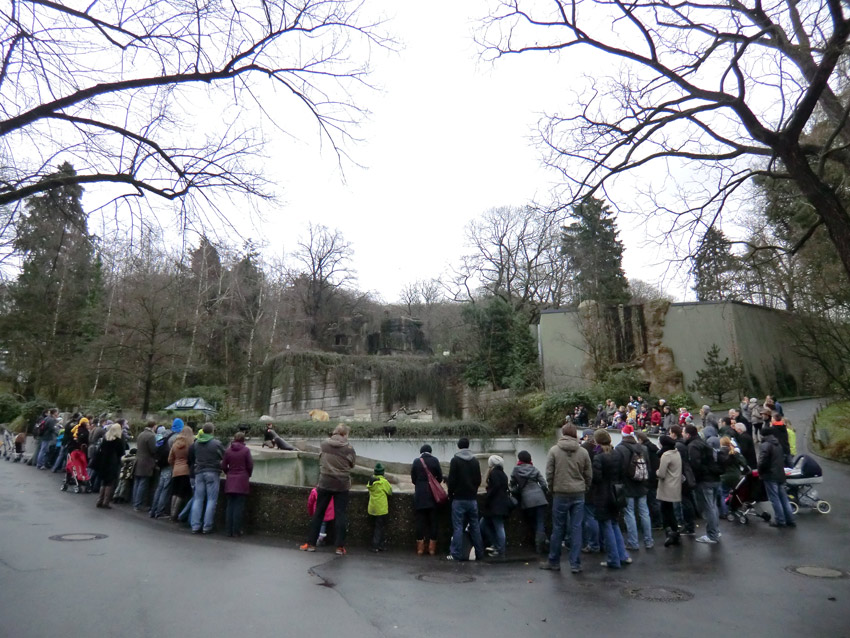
752, 335
562, 350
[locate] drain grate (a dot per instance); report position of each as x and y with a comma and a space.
813, 571
657, 594
445, 578
78, 537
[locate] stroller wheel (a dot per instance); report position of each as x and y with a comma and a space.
77, 490
744, 519
824, 507
765, 517
63, 487
731, 517
794, 507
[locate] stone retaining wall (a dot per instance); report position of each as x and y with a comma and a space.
281, 510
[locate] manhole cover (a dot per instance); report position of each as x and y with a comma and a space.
78, 537
657, 594
445, 578
813, 571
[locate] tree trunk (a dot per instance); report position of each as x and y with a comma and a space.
824, 200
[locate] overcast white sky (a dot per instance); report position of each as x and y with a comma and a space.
449, 137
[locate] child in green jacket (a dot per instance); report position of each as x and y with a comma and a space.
379, 489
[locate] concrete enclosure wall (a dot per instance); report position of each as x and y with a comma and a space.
751, 335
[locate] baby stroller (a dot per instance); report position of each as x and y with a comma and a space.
76, 472
804, 475
124, 490
9, 451
745, 498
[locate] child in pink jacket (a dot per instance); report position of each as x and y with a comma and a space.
329, 514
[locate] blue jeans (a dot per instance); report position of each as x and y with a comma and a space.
43, 451
724, 494
613, 542
60, 458
782, 513
631, 523
591, 528
205, 499
567, 511
708, 494
493, 529
163, 491
465, 512
140, 491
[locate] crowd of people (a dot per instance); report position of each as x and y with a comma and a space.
183, 468
666, 482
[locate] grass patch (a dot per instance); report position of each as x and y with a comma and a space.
835, 419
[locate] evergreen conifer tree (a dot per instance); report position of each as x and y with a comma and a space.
595, 252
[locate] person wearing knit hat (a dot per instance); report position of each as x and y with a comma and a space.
637, 466
379, 508
497, 506
463, 483
177, 425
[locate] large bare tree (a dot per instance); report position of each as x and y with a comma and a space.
322, 271
516, 255
166, 97
729, 87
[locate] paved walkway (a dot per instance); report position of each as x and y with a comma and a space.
147, 578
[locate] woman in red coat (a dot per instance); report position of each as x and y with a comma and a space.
238, 465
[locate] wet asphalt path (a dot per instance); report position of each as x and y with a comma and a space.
147, 578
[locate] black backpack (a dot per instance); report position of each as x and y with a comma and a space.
162, 451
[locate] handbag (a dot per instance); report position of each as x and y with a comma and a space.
618, 492
437, 491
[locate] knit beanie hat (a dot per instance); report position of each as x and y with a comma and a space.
667, 442
379, 469
495, 460
628, 430
177, 425
425, 448
523, 457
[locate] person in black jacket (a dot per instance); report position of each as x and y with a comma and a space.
463, 483
686, 510
745, 444
772, 472
107, 462
635, 491
424, 507
497, 506
707, 470
652, 486
607, 472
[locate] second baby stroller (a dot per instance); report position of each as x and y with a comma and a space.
76, 472
745, 497
804, 475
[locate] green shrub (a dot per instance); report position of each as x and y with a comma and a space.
619, 385
18, 424
10, 407
839, 449
96, 407
681, 400
32, 411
